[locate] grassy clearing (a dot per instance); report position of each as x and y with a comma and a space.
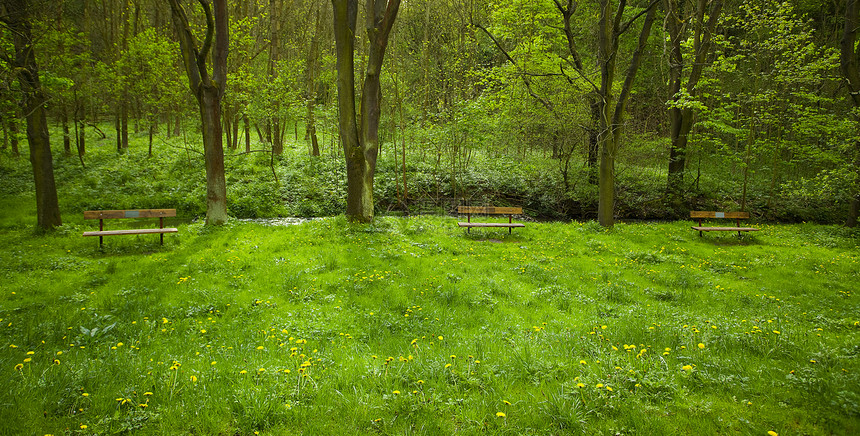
411, 326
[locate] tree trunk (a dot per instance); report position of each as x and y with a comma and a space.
277, 144
124, 124
67, 141
682, 119
611, 118
82, 138
247, 133
850, 63
13, 136
360, 144
47, 205
118, 130
228, 128
235, 122
208, 90
310, 86
216, 185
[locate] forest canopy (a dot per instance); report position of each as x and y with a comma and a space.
595, 109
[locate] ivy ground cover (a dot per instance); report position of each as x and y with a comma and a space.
412, 326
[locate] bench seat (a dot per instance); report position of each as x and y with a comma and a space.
490, 224
131, 232
725, 229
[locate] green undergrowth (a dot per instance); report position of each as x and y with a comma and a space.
412, 326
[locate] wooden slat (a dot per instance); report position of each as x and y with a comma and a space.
725, 229
132, 213
711, 214
492, 210
131, 232
491, 224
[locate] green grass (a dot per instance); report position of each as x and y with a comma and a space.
411, 326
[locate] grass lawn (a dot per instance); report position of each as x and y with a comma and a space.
411, 326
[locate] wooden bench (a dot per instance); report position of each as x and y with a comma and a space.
509, 211
738, 216
102, 215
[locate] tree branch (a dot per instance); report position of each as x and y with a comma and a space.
524, 76
207, 41
636, 17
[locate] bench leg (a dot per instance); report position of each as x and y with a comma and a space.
101, 228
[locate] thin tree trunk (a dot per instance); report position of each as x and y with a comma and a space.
67, 141
124, 124
13, 136
681, 119
118, 130
82, 139
247, 133
228, 128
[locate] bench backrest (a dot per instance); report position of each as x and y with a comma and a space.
710, 214
490, 210
138, 213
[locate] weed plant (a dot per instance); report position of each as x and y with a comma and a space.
412, 326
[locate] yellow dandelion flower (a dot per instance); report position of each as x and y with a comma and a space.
193, 379
27, 360
262, 370
687, 368
30, 353
772, 433
500, 414
83, 426
243, 372
507, 403
582, 362
776, 332
441, 338
146, 394
609, 389
580, 385
85, 394
599, 385
701, 346
396, 392
260, 347
56, 361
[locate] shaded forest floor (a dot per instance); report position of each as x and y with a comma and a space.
412, 326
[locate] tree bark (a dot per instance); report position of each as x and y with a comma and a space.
67, 141
310, 83
17, 17
13, 136
360, 136
208, 91
611, 118
850, 63
247, 133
